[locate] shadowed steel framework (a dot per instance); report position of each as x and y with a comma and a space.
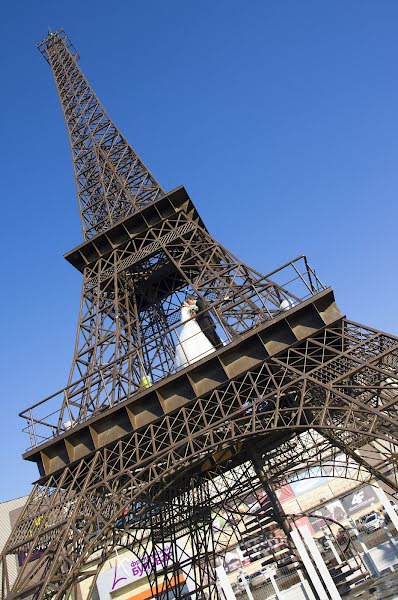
134, 453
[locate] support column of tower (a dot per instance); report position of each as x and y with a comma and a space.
385, 483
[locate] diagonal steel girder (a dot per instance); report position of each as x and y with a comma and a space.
116, 477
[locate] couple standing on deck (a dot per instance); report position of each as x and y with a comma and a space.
198, 336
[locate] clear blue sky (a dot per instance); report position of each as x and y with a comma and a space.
280, 118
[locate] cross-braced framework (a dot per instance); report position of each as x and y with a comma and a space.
138, 454
112, 181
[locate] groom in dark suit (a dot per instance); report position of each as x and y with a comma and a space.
205, 321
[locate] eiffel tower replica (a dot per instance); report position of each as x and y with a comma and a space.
135, 453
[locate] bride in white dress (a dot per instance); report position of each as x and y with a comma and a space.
192, 342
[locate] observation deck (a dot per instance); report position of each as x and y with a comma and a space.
56, 443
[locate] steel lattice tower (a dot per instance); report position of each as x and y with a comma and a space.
134, 453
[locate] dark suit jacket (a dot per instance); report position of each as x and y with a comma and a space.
204, 319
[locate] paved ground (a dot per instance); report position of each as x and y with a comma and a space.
385, 588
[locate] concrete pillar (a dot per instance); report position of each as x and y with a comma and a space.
309, 567
320, 563
224, 584
382, 496
281, 519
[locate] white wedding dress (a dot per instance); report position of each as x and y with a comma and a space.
192, 342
